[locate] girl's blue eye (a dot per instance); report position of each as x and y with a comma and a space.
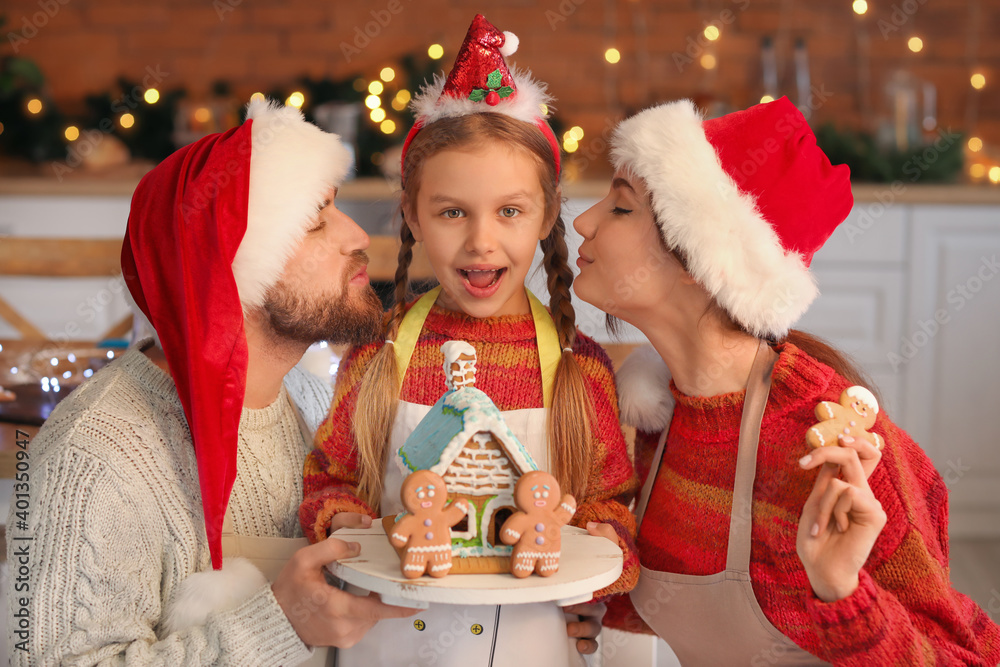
509, 211
618, 210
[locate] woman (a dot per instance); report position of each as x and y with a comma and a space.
750, 554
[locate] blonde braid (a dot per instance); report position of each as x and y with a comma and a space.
572, 411
378, 396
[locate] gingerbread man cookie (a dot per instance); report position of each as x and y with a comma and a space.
535, 530
854, 415
424, 534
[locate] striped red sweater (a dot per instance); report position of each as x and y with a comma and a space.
903, 613
507, 369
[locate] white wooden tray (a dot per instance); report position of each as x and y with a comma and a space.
587, 564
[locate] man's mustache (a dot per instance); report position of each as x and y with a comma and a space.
358, 260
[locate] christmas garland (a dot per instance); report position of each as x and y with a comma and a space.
937, 161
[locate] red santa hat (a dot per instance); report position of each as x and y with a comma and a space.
481, 82
747, 198
209, 232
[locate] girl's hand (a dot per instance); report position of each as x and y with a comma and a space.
349, 520
603, 530
840, 522
588, 626
590, 614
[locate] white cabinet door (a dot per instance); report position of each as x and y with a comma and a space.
951, 346
860, 312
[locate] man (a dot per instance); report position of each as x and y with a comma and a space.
142, 481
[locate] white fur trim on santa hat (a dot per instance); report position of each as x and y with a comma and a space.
428, 105
204, 593
732, 251
293, 164
644, 396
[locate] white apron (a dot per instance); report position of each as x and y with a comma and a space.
270, 554
524, 635
715, 619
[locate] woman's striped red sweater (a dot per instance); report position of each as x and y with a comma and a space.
905, 611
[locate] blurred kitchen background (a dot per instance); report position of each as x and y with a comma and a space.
907, 92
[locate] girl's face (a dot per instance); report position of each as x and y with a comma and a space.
624, 267
480, 214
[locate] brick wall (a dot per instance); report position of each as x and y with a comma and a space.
84, 45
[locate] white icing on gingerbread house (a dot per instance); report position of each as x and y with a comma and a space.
464, 439
459, 364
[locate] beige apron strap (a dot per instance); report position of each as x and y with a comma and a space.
549, 352
654, 470
740, 523
546, 337
410, 328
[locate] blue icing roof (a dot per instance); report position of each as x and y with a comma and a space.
452, 421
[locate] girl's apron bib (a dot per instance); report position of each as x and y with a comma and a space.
270, 554
524, 635
715, 619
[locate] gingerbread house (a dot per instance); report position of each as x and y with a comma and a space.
465, 440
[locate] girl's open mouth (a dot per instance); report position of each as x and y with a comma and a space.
482, 283
482, 279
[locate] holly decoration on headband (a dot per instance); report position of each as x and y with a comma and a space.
494, 93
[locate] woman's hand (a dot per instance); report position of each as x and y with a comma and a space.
868, 454
841, 519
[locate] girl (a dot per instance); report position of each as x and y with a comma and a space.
751, 554
480, 190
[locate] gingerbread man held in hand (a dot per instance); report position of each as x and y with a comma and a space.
535, 530
424, 534
852, 416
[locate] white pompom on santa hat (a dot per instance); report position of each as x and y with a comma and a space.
209, 233
643, 383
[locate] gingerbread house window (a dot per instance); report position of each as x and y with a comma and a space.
466, 529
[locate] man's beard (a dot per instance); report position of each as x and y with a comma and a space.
338, 317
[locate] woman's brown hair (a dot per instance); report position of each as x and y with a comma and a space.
823, 352
572, 413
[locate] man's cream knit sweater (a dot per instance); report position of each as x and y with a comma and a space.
117, 523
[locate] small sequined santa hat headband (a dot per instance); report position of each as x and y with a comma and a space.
480, 82
747, 198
